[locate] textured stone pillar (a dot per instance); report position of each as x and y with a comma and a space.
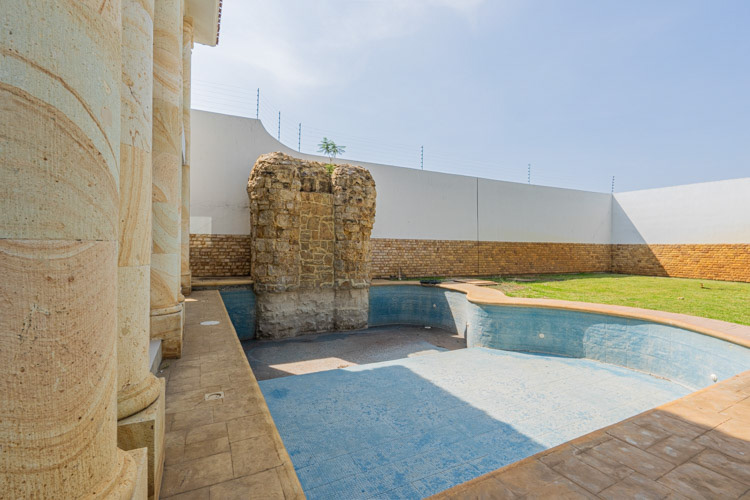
138, 388
354, 214
59, 195
310, 240
187, 50
140, 413
166, 307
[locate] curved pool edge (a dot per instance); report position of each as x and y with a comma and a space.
481, 295
712, 410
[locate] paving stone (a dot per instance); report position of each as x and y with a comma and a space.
694, 481
584, 475
206, 432
191, 418
676, 449
188, 476
636, 486
640, 436
263, 485
649, 465
254, 455
199, 494
727, 466
205, 448
248, 427
673, 425
726, 443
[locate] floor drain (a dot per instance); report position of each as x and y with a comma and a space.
214, 395
209, 323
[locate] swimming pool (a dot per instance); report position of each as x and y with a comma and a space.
531, 378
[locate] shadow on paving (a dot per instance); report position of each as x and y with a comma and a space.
385, 432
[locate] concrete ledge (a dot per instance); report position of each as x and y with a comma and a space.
215, 282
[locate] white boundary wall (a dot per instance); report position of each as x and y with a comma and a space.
710, 212
411, 204
416, 204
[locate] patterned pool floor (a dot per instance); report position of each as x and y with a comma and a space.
413, 427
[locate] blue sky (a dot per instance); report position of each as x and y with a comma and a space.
654, 93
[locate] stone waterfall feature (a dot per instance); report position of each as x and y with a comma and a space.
310, 242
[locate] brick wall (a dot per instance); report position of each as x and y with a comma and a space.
391, 257
229, 255
719, 262
220, 254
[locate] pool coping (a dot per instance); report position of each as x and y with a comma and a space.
723, 330
218, 447
708, 429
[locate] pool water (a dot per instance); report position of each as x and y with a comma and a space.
413, 427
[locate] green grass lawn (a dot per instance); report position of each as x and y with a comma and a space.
728, 301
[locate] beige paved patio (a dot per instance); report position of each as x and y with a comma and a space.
219, 448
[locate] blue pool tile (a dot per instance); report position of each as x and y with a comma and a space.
445, 479
351, 437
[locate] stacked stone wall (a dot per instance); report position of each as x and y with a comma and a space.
719, 262
220, 255
408, 258
229, 255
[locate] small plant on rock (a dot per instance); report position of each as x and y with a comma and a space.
331, 150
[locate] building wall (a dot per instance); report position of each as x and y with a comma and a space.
430, 223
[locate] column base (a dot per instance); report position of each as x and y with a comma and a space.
140, 456
145, 429
166, 325
138, 397
186, 284
122, 485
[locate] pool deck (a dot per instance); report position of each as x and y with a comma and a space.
219, 448
695, 447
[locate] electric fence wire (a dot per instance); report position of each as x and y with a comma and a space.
250, 102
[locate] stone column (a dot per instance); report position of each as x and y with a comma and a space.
187, 50
138, 388
59, 197
354, 215
140, 410
166, 307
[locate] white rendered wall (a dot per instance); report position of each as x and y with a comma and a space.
705, 213
510, 211
411, 203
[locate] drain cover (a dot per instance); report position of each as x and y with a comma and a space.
209, 323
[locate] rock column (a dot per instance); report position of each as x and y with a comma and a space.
310, 240
354, 214
166, 307
59, 197
187, 50
138, 388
